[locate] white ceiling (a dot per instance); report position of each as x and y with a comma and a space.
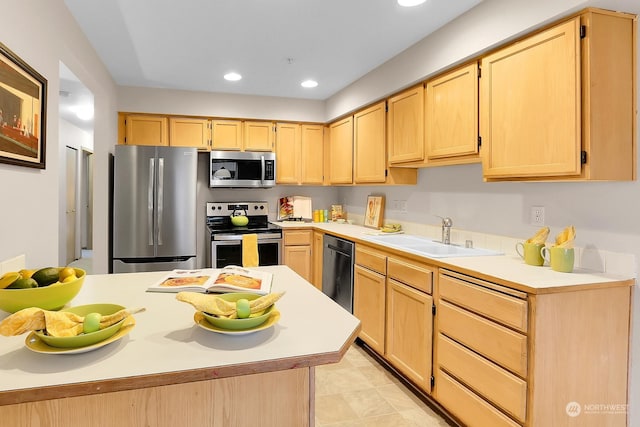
274, 44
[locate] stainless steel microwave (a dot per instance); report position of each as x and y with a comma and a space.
242, 169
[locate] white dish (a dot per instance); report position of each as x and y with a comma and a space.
198, 317
35, 344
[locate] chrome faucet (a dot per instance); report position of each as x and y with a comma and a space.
446, 230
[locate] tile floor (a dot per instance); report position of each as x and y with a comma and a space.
359, 392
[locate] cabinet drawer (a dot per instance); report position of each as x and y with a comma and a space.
412, 273
502, 308
489, 380
372, 259
502, 345
467, 406
297, 237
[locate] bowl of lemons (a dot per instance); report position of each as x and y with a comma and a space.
49, 288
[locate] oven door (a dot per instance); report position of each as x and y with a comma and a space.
228, 250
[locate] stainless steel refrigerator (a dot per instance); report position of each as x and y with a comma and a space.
154, 208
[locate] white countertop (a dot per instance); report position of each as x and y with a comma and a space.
166, 339
507, 270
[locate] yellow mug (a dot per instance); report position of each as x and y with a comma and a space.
530, 253
560, 259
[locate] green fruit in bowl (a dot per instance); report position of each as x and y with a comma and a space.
46, 276
23, 284
243, 309
91, 323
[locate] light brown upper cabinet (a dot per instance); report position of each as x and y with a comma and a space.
560, 104
312, 154
341, 151
142, 129
405, 126
370, 161
226, 135
451, 117
189, 132
258, 136
288, 153
300, 152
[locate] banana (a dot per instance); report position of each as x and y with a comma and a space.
112, 319
56, 323
217, 306
207, 303
264, 302
566, 237
540, 236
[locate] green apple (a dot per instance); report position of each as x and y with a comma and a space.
91, 323
243, 308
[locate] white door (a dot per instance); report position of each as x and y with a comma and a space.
72, 173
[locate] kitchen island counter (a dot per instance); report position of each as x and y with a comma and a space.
169, 371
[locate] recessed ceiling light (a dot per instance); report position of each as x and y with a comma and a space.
309, 83
84, 112
232, 77
410, 3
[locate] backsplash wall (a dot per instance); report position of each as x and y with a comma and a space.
503, 209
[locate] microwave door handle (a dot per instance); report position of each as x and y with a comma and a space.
152, 169
262, 177
160, 197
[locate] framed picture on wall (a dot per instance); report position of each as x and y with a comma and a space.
23, 106
373, 211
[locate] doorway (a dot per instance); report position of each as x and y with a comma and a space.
72, 252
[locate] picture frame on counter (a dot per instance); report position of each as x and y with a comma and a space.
23, 106
373, 212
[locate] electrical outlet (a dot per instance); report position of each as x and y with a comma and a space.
403, 206
537, 215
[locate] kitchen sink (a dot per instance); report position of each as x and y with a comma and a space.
427, 247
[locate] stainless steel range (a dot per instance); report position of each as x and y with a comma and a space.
226, 239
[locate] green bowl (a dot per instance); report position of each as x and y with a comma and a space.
52, 297
84, 340
238, 324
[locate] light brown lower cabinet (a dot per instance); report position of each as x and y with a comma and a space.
297, 251
317, 259
392, 299
502, 357
508, 358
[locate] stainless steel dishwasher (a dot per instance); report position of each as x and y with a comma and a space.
337, 270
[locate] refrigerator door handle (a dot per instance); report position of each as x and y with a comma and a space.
160, 197
152, 167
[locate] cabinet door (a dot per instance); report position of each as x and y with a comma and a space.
288, 153
187, 132
406, 126
531, 106
369, 143
451, 114
146, 130
258, 136
312, 154
409, 332
369, 306
317, 259
298, 258
226, 135
341, 152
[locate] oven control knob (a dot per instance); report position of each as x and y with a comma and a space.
219, 207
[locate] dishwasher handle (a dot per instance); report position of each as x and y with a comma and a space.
337, 249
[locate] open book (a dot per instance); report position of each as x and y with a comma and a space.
228, 279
